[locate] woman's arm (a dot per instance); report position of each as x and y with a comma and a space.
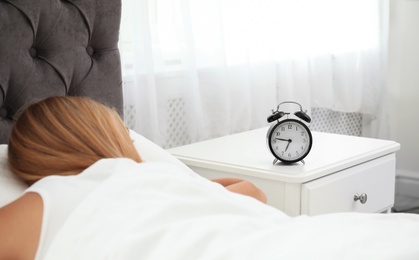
20, 227
242, 187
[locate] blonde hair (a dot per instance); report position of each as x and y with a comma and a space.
64, 136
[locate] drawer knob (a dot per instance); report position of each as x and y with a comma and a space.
362, 198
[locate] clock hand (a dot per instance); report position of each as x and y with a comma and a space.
289, 141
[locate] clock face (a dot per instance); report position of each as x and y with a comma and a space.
289, 140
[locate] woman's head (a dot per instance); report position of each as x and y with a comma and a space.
64, 136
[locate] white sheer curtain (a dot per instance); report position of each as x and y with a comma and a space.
207, 68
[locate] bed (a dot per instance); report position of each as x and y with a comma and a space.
52, 47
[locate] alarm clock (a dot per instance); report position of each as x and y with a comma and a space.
289, 139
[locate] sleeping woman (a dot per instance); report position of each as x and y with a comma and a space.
57, 138
93, 197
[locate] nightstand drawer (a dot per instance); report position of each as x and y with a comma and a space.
335, 193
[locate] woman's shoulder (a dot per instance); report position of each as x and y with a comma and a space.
20, 226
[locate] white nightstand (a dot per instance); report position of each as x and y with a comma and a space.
337, 168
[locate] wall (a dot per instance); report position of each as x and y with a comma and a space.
404, 88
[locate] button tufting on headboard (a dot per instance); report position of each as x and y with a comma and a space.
3, 112
33, 52
89, 50
55, 47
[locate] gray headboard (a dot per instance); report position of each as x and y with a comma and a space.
57, 47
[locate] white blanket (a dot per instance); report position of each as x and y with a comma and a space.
156, 211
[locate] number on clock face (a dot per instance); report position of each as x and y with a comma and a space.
290, 140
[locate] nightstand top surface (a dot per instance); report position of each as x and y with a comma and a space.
247, 153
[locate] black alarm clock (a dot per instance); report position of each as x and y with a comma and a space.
289, 139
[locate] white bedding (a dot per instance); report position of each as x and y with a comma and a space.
186, 217
165, 213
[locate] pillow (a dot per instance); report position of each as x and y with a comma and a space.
11, 187
151, 152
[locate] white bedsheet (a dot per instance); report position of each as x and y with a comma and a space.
156, 211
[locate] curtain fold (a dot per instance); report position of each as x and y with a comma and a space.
198, 69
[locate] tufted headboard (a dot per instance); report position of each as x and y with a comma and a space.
58, 47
